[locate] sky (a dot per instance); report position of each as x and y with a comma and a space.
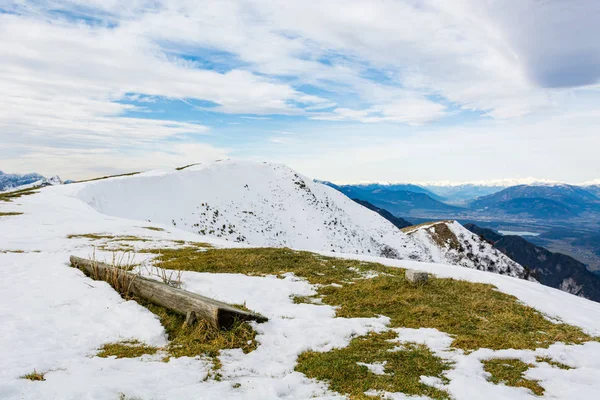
342, 90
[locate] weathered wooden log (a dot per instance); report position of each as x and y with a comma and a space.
191, 305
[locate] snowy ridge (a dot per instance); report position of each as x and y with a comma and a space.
257, 204
458, 246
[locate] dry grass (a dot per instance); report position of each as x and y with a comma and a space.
126, 349
10, 196
109, 176
403, 368
109, 238
154, 228
12, 251
201, 338
35, 376
511, 372
10, 214
550, 361
439, 232
191, 341
186, 166
478, 315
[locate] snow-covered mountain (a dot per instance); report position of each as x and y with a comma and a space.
263, 204
453, 243
258, 204
9, 182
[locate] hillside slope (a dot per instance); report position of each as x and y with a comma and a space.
258, 204
397, 221
457, 244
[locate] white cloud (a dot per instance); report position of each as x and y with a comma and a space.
412, 111
67, 64
560, 148
77, 163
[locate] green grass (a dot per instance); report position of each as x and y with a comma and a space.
478, 315
403, 368
550, 361
10, 214
126, 349
265, 261
10, 196
35, 376
511, 372
201, 338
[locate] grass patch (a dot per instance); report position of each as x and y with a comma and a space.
510, 372
110, 238
10, 214
266, 261
108, 176
12, 251
476, 314
126, 349
35, 376
154, 228
439, 232
201, 338
550, 361
186, 166
403, 368
10, 196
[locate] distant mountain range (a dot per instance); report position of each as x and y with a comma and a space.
554, 201
24, 181
533, 201
397, 199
